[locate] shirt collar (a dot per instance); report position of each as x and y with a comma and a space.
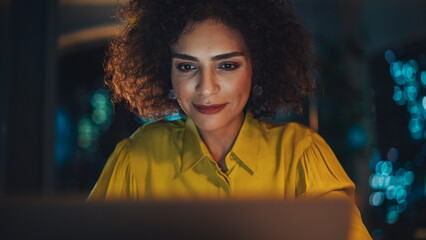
245, 147
192, 149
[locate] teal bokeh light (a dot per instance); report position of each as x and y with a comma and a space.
393, 154
410, 93
390, 56
386, 168
396, 72
356, 137
414, 109
375, 159
376, 199
374, 181
401, 195
379, 168
397, 94
414, 64
400, 208
392, 216
102, 110
423, 78
87, 133
408, 178
415, 125
390, 192
409, 70
424, 102
64, 136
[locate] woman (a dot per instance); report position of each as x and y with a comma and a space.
225, 64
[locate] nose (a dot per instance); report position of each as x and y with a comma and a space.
207, 84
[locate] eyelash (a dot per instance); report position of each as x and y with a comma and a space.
229, 66
184, 67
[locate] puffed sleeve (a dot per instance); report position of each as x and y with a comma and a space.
117, 181
321, 176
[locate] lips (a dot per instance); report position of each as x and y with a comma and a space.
209, 109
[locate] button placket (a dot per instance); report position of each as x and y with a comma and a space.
224, 180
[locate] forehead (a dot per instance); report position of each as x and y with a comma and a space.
209, 35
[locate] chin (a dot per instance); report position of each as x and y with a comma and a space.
208, 123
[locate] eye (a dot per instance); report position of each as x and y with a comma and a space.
230, 66
185, 67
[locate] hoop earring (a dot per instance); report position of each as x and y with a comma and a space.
172, 95
257, 90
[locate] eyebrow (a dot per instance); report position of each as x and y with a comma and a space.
227, 55
215, 58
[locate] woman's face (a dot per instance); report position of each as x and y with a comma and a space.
211, 75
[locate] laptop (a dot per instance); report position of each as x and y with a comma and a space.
290, 220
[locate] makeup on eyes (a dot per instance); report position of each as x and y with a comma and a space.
229, 66
226, 66
185, 67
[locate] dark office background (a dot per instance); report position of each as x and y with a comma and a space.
58, 127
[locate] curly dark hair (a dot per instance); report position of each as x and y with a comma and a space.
139, 59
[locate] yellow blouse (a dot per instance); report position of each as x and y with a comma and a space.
168, 160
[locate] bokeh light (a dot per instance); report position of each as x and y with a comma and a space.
410, 93
386, 168
401, 195
423, 78
393, 154
406, 91
400, 208
391, 183
88, 133
91, 126
408, 178
400, 175
396, 72
415, 125
102, 111
375, 158
64, 136
390, 56
374, 181
379, 168
397, 94
392, 215
376, 199
424, 102
409, 70
356, 137
390, 192
413, 109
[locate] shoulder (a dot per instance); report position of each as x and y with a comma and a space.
159, 127
156, 140
289, 128
293, 136
158, 131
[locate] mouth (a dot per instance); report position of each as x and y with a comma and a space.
209, 109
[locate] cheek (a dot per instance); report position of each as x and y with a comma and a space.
180, 88
245, 85
238, 90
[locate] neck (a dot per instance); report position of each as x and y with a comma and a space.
220, 141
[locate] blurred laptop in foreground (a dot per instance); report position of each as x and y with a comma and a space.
300, 220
